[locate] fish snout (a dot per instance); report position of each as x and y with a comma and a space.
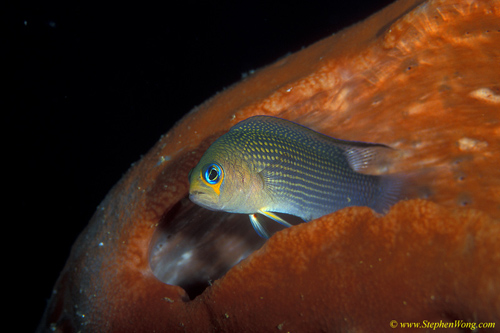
203, 199
194, 194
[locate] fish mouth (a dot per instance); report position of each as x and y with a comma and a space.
202, 199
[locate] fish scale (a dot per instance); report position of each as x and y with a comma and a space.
271, 165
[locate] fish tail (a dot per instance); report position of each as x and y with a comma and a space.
390, 191
404, 186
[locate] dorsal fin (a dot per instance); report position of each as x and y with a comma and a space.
372, 159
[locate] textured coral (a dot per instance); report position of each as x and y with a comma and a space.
422, 78
368, 271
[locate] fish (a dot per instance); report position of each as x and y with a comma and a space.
265, 165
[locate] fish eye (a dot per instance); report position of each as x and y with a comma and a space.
212, 174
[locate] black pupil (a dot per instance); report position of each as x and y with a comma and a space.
213, 174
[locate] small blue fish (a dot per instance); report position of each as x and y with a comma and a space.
269, 165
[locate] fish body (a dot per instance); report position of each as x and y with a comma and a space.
270, 165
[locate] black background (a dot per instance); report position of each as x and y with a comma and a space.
92, 87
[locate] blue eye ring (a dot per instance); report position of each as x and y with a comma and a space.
213, 174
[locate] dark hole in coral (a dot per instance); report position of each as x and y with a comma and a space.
421, 192
464, 199
460, 175
193, 246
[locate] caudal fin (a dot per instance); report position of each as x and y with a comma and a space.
391, 190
